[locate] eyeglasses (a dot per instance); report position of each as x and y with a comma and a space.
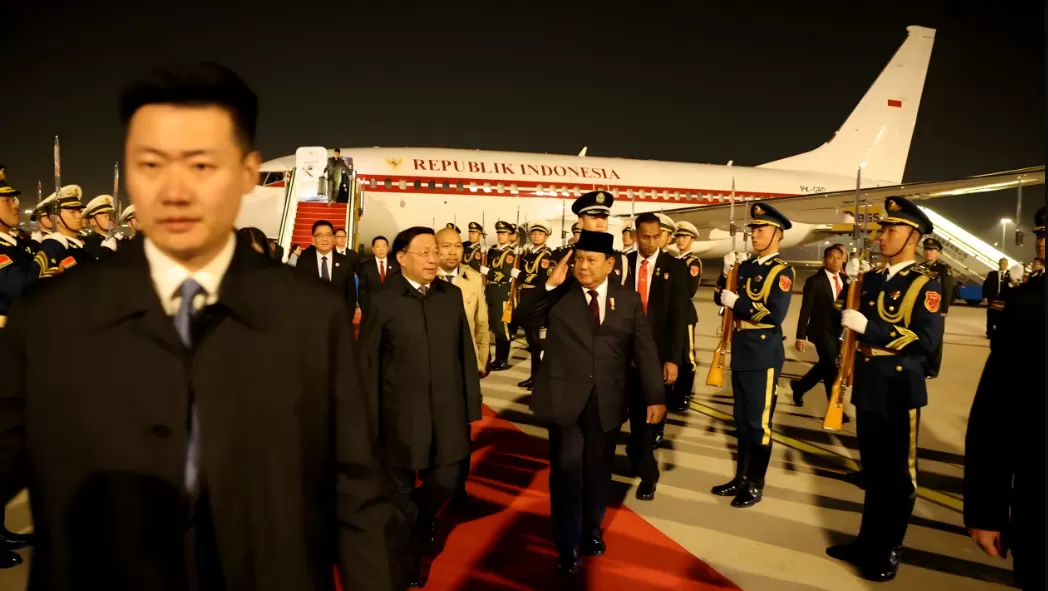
323, 235
426, 254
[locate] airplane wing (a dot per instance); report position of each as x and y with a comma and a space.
829, 208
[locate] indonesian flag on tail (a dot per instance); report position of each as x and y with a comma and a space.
894, 103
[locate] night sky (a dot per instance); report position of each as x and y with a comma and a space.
649, 81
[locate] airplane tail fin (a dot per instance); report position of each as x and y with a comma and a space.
877, 134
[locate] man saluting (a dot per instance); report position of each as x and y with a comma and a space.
595, 329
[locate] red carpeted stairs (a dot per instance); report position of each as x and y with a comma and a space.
309, 212
502, 542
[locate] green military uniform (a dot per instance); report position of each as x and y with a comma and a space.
473, 254
944, 274
760, 308
903, 326
686, 376
535, 268
499, 272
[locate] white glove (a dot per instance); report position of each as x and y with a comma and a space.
852, 269
854, 320
57, 238
1015, 274
728, 299
110, 243
514, 273
484, 270
731, 259
864, 266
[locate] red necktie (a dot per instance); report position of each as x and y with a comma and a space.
594, 306
836, 286
642, 284
382, 271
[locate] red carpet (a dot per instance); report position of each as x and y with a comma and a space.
502, 542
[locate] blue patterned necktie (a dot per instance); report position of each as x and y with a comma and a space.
323, 269
184, 324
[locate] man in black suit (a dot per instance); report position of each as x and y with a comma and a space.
321, 261
374, 273
596, 330
660, 282
205, 467
421, 372
994, 292
820, 322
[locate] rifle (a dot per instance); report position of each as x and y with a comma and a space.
116, 201
507, 310
715, 377
846, 359
483, 249
56, 207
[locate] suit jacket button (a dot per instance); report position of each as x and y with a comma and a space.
763, 337
160, 430
898, 368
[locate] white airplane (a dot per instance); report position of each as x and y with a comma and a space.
403, 187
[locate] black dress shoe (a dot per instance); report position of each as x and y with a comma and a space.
646, 490
798, 396
525, 384
883, 570
729, 489
679, 407
851, 552
9, 559
593, 547
500, 366
13, 541
748, 497
568, 562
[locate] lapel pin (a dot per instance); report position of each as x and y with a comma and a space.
666, 276
611, 303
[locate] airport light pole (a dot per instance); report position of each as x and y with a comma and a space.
1004, 243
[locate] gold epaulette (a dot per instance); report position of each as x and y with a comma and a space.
781, 261
923, 269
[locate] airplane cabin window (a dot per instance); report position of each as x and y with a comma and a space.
446, 185
432, 185
389, 183
499, 187
459, 185
418, 184
513, 188
373, 183
403, 184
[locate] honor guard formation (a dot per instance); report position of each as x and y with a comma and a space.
236, 465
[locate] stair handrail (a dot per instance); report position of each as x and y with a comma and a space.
287, 221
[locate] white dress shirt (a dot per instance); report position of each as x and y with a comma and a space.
168, 275
449, 276
321, 262
837, 286
381, 265
765, 259
416, 284
602, 297
892, 270
651, 270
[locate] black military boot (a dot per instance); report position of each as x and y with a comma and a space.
738, 483
758, 467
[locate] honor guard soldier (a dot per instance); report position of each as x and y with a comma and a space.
686, 235
472, 249
99, 214
593, 209
942, 272
70, 223
20, 268
1004, 459
500, 274
899, 324
757, 353
629, 237
130, 219
535, 268
42, 218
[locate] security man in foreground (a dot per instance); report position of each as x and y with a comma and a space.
99, 214
499, 274
472, 249
20, 268
757, 353
942, 272
1004, 459
899, 324
535, 268
686, 235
